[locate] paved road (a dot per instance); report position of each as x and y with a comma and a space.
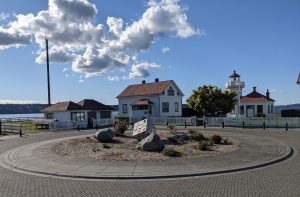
282, 179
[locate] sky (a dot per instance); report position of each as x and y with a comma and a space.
98, 48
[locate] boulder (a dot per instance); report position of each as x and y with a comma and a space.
104, 135
151, 143
178, 138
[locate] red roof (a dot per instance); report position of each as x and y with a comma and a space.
63, 106
234, 74
255, 97
142, 102
298, 81
90, 104
145, 89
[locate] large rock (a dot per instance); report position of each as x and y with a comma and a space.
142, 129
151, 143
178, 138
104, 135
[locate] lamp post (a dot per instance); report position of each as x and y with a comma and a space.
48, 73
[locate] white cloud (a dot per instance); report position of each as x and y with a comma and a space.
113, 78
14, 101
93, 50
141, 70
81, 81
4, 16
165, 49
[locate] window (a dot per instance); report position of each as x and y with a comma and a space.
242, 110
105, 114
269, 109
124, 108
77, 116
170, 92
140, 107
176, 106
272, 109
49, 116
259, 109
165, 107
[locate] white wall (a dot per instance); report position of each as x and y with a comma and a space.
65, 116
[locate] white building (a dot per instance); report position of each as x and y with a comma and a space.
251, 105
88, 111
156, 99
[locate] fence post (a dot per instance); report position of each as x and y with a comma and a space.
167, 123
20, 132
204, 124
264, 125
0, 126
185, 124
96, 126
243, 124
286, 127
78, 127
223, 124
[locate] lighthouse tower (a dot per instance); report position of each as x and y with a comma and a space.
235, 85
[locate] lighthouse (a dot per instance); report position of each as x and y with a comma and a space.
236, 85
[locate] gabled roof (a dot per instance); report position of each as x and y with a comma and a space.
154, 88
90, 104
63, 106
255, 97
298, 81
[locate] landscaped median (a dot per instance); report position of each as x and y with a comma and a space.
40, 159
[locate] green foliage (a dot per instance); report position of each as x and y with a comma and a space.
171, 152
290, 113
216, 139
211, 101
120, 127
225, 140
171, 126
203, 145
197, 136
260, 115
188, 112
192, 131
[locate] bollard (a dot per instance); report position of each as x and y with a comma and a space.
0, 127
264, 125
243, 124
223, 124
78, 128
185, 124
204, 124
96, 126
167, 123
286, 127
20, 133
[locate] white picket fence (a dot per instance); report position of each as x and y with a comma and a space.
103, 122
268, 122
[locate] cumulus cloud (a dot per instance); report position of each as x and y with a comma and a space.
13, 101
165, 49
141, 70
4, 16
94, 49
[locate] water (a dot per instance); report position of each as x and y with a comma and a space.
38, 115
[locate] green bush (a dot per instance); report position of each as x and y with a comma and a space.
290, 113
216, 139
197, 136
120, 127
171, 126
225, 140
192, 131
203, 145
171, 152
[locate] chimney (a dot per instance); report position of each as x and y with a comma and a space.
254, 89
156, 79
268, 93
144, 81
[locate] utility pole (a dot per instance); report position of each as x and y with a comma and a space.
48, 73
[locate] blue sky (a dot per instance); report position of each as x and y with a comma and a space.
260, 39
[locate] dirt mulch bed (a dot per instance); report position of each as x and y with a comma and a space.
124, 149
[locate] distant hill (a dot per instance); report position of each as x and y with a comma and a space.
279, 108
21, 108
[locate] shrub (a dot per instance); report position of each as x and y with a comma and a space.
120, 127
225, 140
216, 139
192, 131
203, 145
197, 136
171, 152
171, 126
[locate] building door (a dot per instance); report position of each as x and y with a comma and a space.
91, 116
250, 111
